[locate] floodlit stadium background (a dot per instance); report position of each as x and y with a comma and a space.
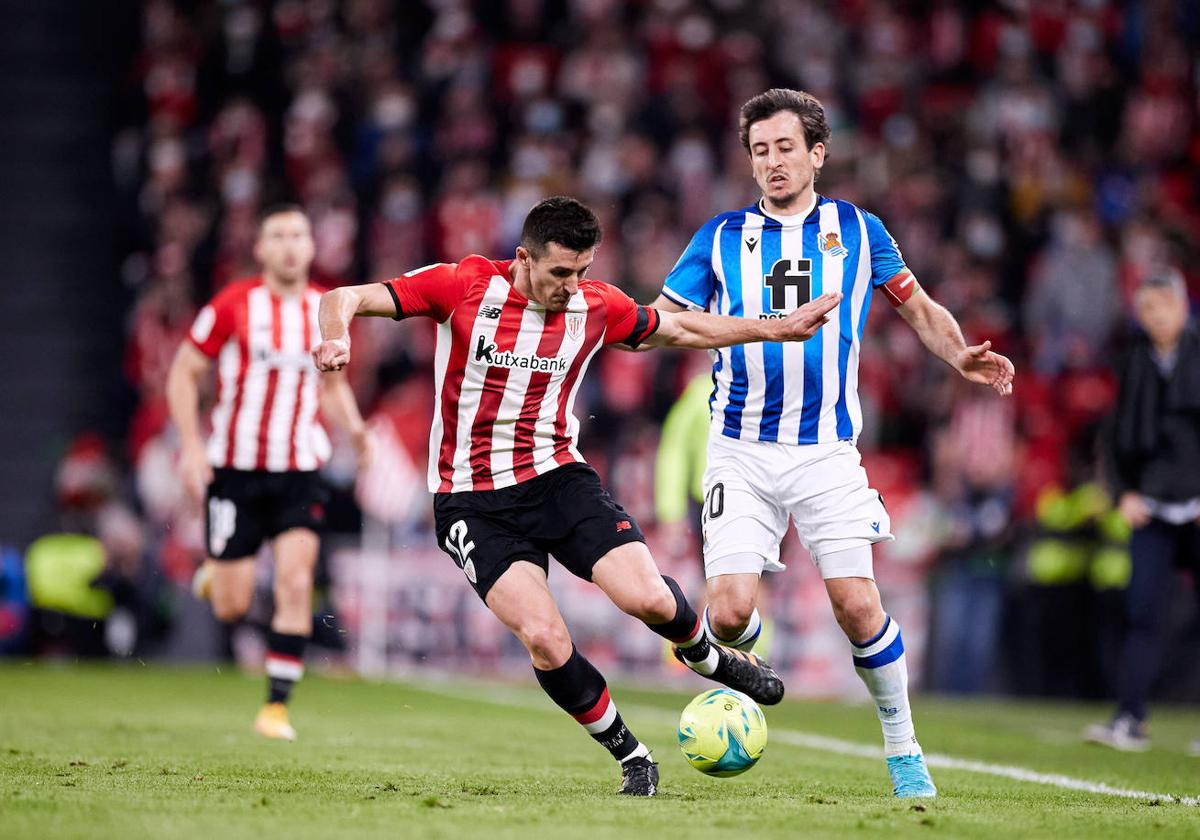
1034, 161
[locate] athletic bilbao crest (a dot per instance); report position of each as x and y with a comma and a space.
575, 324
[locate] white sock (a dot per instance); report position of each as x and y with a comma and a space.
691, 647
745, 640
705, 667
881, 665
641, 751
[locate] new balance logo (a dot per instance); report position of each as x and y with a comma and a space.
486, 352
490, 312
624, 525
875, 527
750, 243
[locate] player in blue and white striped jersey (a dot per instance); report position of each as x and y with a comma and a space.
785, 418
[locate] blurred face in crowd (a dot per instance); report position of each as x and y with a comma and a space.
784, 167
1162, 312
554, 277
285, 247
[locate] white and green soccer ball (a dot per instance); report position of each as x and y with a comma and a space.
722, 732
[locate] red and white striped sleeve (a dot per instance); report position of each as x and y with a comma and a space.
432, 291
217, 320
628, 322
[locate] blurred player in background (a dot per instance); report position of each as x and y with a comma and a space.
1154, 473
785, 417
509, 484
258, 471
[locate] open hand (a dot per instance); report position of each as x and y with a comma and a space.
332, 354
803, 324
980, 364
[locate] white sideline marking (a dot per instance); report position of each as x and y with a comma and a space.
1021, 774
824, 743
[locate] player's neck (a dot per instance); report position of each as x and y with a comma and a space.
520, 281
798, 208
283, 288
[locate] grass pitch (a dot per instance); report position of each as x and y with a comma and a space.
98, 752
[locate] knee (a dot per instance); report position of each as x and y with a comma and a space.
859, 615
293, 587
653, 605
231, 607
548, 643
729, 617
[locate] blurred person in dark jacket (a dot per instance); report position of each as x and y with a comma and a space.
1154, 458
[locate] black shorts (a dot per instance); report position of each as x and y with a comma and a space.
246, 507
565, 512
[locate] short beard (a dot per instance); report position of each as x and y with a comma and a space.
295, 278
781, 204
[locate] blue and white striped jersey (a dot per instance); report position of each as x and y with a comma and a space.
749, 264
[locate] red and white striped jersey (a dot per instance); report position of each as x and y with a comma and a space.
506, 370
265, 417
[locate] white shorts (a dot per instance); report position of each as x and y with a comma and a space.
751, 487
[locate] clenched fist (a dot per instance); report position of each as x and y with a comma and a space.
332, 354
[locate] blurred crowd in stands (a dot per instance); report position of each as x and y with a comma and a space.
1033, 159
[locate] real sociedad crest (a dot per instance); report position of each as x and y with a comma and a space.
574, 324
830, 243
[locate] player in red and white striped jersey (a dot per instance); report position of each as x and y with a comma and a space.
514, 342
258, 470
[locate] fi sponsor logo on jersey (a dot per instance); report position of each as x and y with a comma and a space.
486, 353
790, 282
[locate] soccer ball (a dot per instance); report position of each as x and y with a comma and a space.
722, 732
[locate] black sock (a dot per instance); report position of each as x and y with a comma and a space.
579, 690
285, 664
685, 630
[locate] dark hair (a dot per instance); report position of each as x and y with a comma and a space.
769, 103
562, 220
1164, 278
278, 209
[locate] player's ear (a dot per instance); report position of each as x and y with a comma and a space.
523, 255
818, 155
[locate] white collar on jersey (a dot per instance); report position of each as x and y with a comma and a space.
790, 218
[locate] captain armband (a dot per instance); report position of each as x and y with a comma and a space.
900, 288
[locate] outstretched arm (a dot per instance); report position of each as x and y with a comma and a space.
705, 331
664, 305
337, 308
940, 334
